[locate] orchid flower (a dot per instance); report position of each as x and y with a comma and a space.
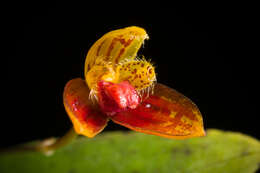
121, 87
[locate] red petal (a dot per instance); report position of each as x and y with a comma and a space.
166, 113
86, 117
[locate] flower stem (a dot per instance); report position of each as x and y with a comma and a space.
48, 146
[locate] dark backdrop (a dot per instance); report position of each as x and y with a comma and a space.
204, 51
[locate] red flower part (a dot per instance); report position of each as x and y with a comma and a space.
114, 98
165, 113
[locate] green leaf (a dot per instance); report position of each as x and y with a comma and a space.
218, 152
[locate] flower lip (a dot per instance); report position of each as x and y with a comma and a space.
114, 98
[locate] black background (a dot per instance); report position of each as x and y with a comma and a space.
205, 51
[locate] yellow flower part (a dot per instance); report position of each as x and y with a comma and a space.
100, 72
140, 73
113, 59
116, 46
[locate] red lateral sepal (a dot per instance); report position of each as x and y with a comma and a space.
86, 116
166, 113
